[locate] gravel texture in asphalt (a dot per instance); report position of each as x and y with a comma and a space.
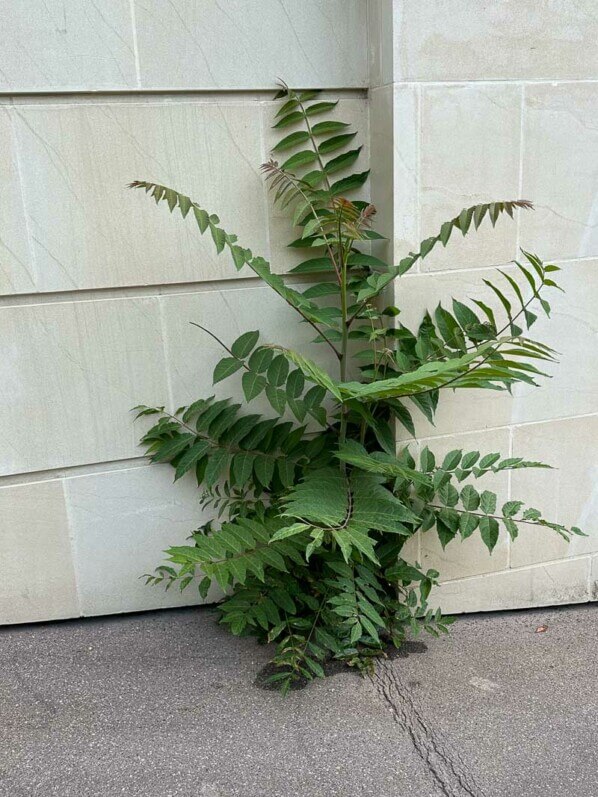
165, 703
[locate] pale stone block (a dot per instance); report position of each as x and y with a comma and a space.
94, 233
69, 376
394, 119
66, 46
246, 44
381, 33
406, 142
470, 151
568, 494
559, 169
411, 550
38, 578
122, 522
548, 584
458, 40
571, 330
355, 112
17, 274
462, 558
382, 183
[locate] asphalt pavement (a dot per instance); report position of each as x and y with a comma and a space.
167, 703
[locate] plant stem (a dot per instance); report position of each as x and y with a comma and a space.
345, 330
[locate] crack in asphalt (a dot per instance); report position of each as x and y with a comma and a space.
446, 766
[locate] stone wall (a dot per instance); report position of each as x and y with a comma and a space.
474, 102
469, 102
97, 285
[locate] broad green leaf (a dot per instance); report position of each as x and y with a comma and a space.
511, 528
532, 514
225, 368
295, 384
467, 524
277, 398
445, 533
299, 137
242, 467
321, 128
278, 370
240, 429
313, 266
311, 370
289, 531
452, 459
219, 237
488, 502
349, 538
191, 457
402, 414
361, 259
511, 508
427, 460
470, 497
253, 384
489, 532
322, 289
488, 461
450, 517
245, 344
298, 408
342, 161
217, 462
302, 158
350, 183
320, 107
464, 315
170, 448
449, 495
355, 454
224, 421
260, 359
286, 471
356, 633
470, 459
427, 377
289, 119
264, 469
335, 143
314, 396
202, 218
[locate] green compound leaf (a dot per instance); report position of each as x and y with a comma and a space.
253, 384
225, 368
245, 344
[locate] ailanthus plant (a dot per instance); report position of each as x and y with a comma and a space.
313, 504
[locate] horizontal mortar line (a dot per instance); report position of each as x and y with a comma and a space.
131, 95
72, 471
69, 471
519, 424
515, 81
506, 264
523, 568
141, 291
447, 271
511, 425
167, 289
